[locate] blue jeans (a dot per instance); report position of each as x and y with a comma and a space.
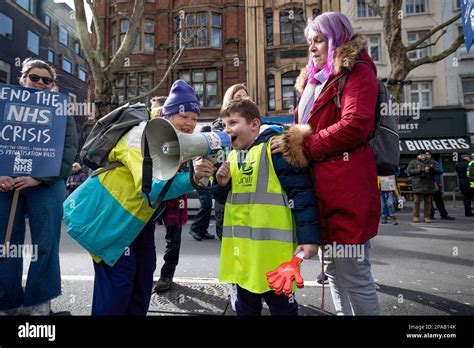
126, 288
43, 206
387, 201
203, 216
249, 303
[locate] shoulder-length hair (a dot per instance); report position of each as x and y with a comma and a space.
230, 93
334, 28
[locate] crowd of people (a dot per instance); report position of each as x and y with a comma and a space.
334, 200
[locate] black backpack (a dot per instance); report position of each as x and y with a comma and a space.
107, 132
385, 142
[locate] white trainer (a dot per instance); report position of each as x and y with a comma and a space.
233, 296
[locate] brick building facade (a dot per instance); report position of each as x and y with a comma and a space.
212, 61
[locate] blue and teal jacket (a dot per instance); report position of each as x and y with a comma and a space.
108, 211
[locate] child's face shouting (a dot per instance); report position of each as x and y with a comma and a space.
242, 132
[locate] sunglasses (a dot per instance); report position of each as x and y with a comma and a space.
36, 78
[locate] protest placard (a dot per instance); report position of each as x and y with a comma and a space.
388, 183
32, 131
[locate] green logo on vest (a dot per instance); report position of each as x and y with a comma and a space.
246, 179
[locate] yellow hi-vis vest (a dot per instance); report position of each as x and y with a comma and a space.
259, 228
470, 166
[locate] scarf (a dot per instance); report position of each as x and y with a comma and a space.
316, 81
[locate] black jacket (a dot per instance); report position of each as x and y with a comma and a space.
461, 169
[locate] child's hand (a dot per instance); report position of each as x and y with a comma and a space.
223, 174
309, 250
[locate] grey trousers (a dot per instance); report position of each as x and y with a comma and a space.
351, 283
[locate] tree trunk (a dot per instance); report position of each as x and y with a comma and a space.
104, 99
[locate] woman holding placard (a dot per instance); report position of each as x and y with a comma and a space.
39, 199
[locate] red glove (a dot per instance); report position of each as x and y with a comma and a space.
281, 279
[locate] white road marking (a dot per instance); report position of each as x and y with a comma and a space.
308, 283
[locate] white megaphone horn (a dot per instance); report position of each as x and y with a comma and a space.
169, 148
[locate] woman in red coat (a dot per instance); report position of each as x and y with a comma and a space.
334, 142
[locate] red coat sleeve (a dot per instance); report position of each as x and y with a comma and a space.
356, 124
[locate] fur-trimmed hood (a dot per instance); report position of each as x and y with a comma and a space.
345, 57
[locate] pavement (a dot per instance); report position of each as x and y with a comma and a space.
419, 269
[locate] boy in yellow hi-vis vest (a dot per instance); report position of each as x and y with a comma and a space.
270, 211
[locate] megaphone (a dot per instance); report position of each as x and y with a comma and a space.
169, 148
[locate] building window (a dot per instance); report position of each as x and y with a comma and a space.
288, 91
63, 36
200, 29
191, 29
292, 26
5, 72
149, 36
50, 57
271, 92
124, 23
421, 93
216, 30
468, 91
178, 26
77, 48
204, 83
6, 26
373, 47
113, 37
82, 74
33, 43
66, 65
364, 10
132, 85
420, 52
269, 25
145, 41
47, 20
415, 6
28, 5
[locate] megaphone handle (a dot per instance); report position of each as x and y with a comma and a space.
204, 181
300, 255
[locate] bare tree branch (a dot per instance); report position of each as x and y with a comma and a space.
86, 43
174, 61
98, 33
426, 60
432, 31
129, 39
430, 44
